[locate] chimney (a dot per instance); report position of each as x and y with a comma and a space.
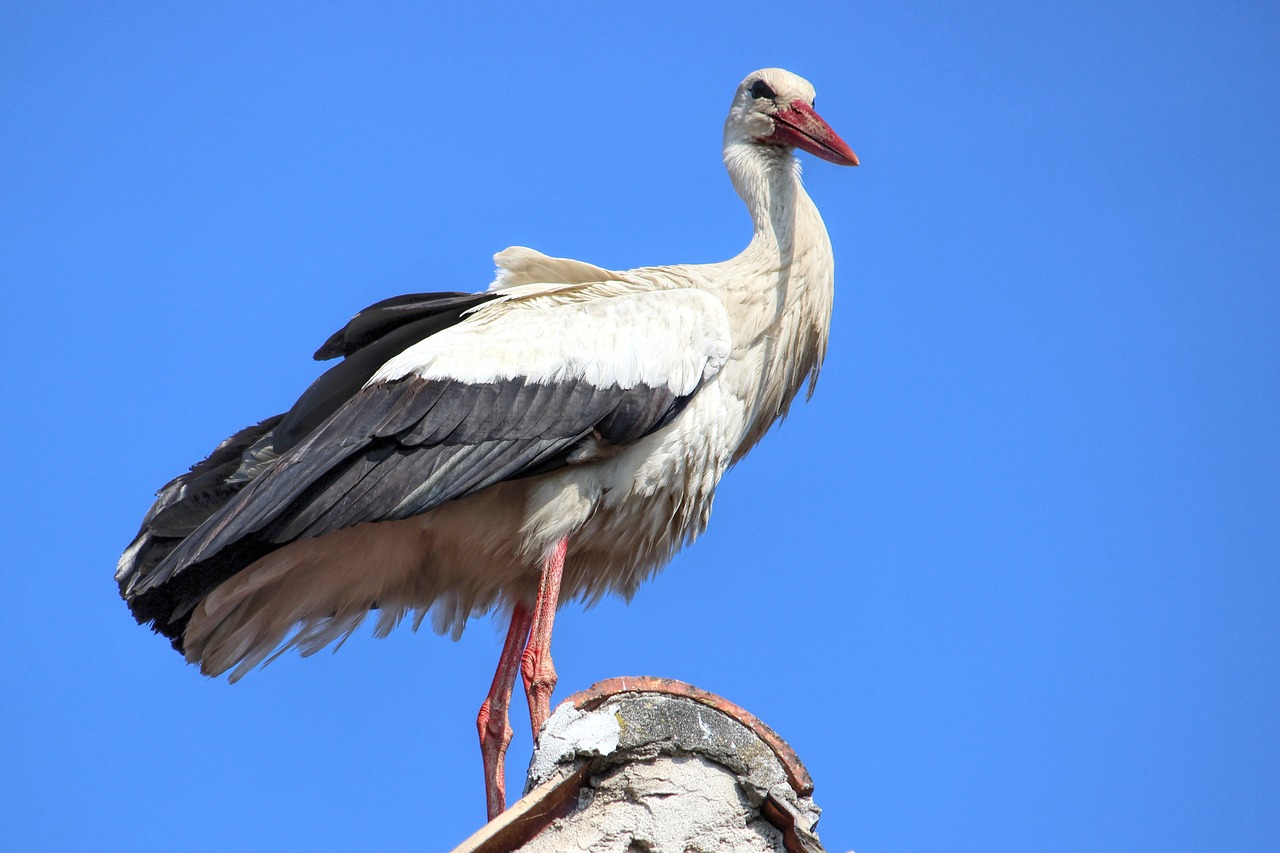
653, 765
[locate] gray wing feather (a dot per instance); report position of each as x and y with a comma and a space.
401, 448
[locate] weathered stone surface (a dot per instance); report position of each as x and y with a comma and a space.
678, 804
650, 765
668, 774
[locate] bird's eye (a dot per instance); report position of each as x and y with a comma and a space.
760, 89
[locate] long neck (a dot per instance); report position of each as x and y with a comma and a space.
789, 247
781, 287
767, 178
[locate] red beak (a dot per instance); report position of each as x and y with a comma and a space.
798, 125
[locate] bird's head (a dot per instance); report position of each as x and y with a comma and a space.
775, 107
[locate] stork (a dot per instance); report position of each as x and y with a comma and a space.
558, 436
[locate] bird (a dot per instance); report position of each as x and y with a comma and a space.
558, 436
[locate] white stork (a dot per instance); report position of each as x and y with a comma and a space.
558, 436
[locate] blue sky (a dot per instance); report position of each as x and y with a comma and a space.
1009, 581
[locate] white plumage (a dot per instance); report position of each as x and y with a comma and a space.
606, 333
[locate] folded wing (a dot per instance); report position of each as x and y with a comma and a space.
522, 385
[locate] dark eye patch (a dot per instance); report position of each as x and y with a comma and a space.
760, 89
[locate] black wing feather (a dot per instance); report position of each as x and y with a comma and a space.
371, 337
381, 318
368, 341
181, 506
395, 450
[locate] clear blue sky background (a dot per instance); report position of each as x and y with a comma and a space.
1009, 582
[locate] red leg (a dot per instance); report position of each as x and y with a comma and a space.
536, 667
492, 721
